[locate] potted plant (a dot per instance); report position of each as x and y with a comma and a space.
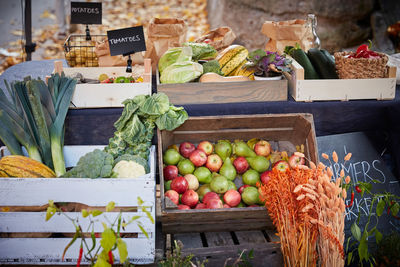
267, 65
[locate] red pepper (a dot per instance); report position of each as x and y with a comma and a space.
358, 189
361, 48
78, 263
351, 200
110, 257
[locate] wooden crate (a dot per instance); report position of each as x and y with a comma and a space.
228, 92
107, 94
219, 248
25, 236
340, 89
282, 129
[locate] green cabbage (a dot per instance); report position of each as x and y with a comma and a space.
181, 72
201, 50
173, 55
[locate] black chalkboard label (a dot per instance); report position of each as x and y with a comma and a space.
126, 41
365, 165
86, 13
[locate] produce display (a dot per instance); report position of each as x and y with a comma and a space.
104, 78
221, 175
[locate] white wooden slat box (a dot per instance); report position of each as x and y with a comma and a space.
107, 94
20, 192
340, 89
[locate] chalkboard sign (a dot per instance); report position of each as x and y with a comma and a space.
126, 41
86, 13
365, 165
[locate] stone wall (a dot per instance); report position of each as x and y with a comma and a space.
341, 23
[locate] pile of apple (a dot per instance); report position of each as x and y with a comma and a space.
221, 175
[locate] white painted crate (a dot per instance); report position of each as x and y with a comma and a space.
340, 89
107, 94
93, 192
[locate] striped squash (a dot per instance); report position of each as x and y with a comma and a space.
24, 167
231, 58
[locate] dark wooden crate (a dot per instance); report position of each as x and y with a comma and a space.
224, 248
224, 92
282, 129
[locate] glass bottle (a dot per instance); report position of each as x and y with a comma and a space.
312, 22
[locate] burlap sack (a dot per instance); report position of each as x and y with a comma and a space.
220, 38
102, 51
163, 34
287, 32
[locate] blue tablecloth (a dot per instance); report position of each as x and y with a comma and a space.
379, 118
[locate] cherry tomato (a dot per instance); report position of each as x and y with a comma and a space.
358, 189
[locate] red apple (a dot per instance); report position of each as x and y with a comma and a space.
281, 165
214, 162
232, 198
200, 206
296, 159
206, 146
186, 148
170, 172
190, 198
192, 181
208, 196
215, 204
262, 148
183, 207
226, 206
240, 190
265, 177
173, 195
179, 184
198, 157
241, 165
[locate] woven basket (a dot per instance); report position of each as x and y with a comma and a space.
360, 68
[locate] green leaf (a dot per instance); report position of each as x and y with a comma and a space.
134, 131
380, 207
156, 104
85, 213
378, 236
102, 263
51, 210
368, 186
363, 249
148, 214
355, 231
110, 206
172, 119
395, 209
96, 213
129, 109
257, 53
134, 218
349, 257
122, 250
140, 201
143, 230
108, 239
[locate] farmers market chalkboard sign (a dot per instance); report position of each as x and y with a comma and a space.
86, 13
126, 41
365, 165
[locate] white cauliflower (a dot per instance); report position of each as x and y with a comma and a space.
128, 169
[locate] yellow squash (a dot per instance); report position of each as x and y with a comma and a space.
231, 58
24, 167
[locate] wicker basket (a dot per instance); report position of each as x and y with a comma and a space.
360, 68
79, 52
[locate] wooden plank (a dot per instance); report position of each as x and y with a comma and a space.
392, 71
250, 237
16, 222
189, 240
272, 235
203, 93
49, 250
219, 239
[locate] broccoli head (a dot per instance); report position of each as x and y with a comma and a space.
95, 164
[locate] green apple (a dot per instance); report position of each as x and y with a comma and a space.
250, 195
185, 166
203, 174
171, 157
251, 177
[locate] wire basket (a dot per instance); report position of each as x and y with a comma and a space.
79, 52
